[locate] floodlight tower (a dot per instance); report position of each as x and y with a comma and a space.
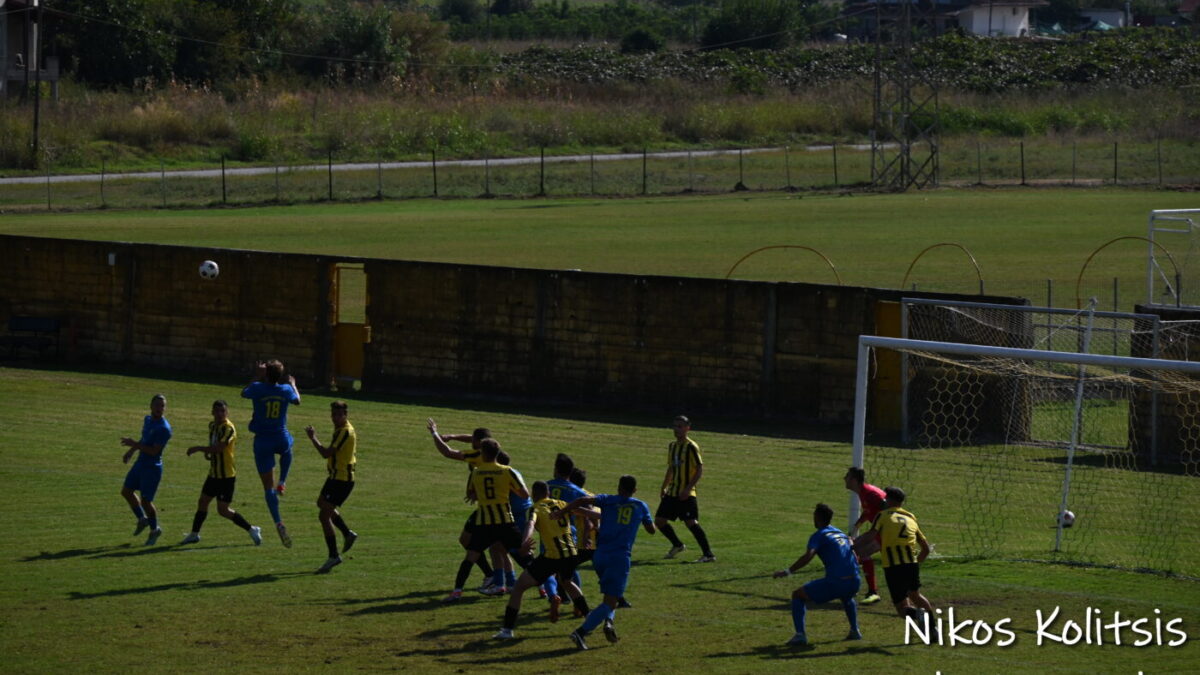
904, 140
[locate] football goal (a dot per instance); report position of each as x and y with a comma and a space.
1003, 439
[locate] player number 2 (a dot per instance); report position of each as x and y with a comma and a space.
625, 515
903, 527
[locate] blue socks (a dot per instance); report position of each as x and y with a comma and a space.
798, 612
551, 586
285, 465
850, 605
154, 523
498, 576
596, 617
137, 511
273, 505
510, 578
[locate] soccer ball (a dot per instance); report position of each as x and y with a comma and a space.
1066, 518
209, 270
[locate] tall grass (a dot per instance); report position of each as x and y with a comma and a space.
256, 123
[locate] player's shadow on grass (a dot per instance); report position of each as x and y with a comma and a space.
707, 586
810, 652
484, 627
424, 601
185, 586
75, 553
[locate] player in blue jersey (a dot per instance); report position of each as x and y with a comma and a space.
141, 483
619, 517
841, 580
271, 397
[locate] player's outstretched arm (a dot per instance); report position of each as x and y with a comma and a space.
650, 529
576, 506
798, 565
440, 443
295, 389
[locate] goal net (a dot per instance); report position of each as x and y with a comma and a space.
1004, 438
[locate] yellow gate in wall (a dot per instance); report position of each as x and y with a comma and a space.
350, 329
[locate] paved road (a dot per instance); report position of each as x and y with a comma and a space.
373, 166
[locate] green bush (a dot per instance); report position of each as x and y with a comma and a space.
641, 40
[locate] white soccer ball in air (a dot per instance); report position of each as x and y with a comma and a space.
209, 270
1066, 518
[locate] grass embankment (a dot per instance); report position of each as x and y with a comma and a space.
1020, 238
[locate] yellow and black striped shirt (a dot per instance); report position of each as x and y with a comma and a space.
898, 532
556, 534
344, 460
220, 463
683, 460
491, 483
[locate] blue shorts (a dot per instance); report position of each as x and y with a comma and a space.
144, 479
826, 589
266, 446
613, 570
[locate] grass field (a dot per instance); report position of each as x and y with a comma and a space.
1020, 237
80, 593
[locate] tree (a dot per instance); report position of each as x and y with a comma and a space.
752, 24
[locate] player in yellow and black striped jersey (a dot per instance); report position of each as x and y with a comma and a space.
560, 557
491, 484
902, 549
472, 457
684, 470
222, 475
341, 461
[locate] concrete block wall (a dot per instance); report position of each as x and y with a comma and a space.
708, 346
146, 304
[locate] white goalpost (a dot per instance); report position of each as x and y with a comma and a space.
1006, 438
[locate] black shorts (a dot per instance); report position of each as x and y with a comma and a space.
902, 579
336, 491
585, 555
469, 526
483, 536
543, 568
670, 508
219, 488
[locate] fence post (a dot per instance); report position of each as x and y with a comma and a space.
787, 167
277, 197
592, 170
541, 171
741, 184
1074, 155
103, 204
836, 182
978, 162
487, 172
1116, 293
162, 182
644, 180
379, 178
1023, 163
691, 174
223, 178
329, 165
1158, 158
1049, 292
47, 163
433, 163
1114, 162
